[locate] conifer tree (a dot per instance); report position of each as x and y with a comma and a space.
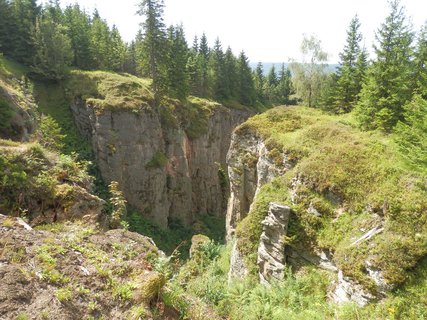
100, 42
388, 85
117, 51
177, 76
78, 26
24, 13
217, 77
154, 42
130, 63
349, 85
203, 61
230, 65
284, 87
193, 68
421, 63
139, 54
246, 89
259, 81
5, 27
53, 54
271, 85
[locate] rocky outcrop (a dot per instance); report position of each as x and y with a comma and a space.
271, 251
250, 166
238, 269
161, 171
347, 290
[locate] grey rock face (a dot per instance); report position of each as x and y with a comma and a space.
271, 250
161, 172
249, 168
347, 290
238, 269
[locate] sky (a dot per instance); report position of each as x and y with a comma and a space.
267, 30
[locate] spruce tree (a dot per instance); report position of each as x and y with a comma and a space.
130, 59
203, 61
117, 51
53, 54
259, 81
388, 85
271, 85
78, 26
230, 65
193, 68
177, 76
100, 42
421, 63
284, 86
24, 13
139, 54
6, 29
154, 42
246, 87
349, 85
217, 79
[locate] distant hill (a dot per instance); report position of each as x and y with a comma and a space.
268, 65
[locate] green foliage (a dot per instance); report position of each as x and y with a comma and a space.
64, 294
6, 114
309, 75
153, 46
166, 240
420, 63
159, 160
412, 133
53, 54
389, 81
22, 316
32, 181
177, 54
50, 133
124, 291
118, 203
78, 29
351, 71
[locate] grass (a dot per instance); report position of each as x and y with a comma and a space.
109, 91
37, 179
300, 295
64, 294
356, 180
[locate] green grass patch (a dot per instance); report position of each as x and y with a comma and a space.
108, 90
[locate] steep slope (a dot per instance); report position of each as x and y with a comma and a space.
16, 102
169, 160
357, 209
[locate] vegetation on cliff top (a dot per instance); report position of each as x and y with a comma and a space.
355, 180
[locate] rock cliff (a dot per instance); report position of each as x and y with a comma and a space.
163, 171
332, 179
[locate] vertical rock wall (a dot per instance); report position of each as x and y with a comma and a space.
162, 172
